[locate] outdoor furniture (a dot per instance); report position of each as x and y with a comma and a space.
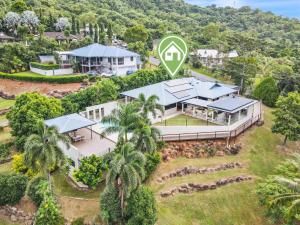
77, 138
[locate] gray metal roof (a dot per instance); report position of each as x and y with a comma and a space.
97, 50
170, 92
231, 104
69, 122
197, 102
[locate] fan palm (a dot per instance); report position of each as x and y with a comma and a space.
145, 137
42, 151
149, 105
126, 171
122, 120
293, 185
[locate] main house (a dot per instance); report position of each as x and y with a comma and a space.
106, 60
213, 58
226, 113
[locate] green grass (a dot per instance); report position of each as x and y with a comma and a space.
5, 104
228, 205
63, 188
6, 222
31, 74
183, 120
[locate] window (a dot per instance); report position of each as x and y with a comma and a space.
131, 58
102, 112
120, 61
170, 106
114, 61
97, 111
109, 60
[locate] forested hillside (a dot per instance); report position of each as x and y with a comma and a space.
210, 26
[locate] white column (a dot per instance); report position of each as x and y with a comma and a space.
212, 115
94, 115
194, 111
182, 107
206, 114
126, 100
229, 119
239, 114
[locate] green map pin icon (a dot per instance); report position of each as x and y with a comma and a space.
172, 51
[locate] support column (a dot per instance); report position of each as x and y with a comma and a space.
182, 107
94, 115
212, 115
206, 114
240, 115
126, 99
194, 111
229, 119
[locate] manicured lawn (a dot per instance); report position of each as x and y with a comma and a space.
184, 120
31, 74
231, 204
5, 104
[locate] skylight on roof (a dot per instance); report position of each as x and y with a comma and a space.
181, 94
177, 82
179, 88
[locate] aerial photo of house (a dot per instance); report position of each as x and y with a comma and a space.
183, 112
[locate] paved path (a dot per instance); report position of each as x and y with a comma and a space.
199, 76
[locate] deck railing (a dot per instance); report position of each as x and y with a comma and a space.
212, 134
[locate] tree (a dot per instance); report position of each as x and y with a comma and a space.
126, 172
241, 70
109, 33
102, 34
141, 208
140, 48
122, 120
135, 34
22, 32
149, 105
27, 111
90, 171
77, 27
62, 23
145, 137
287, 117
11, 21
96, 28
19, 6
30, 19
43, 150
267, 91
73, 24
91, 30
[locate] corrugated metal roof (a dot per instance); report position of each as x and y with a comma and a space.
194, 89
197, 102
69, 122
231, 104
97, 50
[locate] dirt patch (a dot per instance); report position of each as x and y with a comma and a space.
73, 208
14, 87
26, 205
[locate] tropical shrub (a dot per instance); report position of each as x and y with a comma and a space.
44, 66
280, 192
45, 79
34, 190
267, 91
152, 161
5, 149
141, 208
78, 221
110, 205
27, 111
48, 211
12, 188
19, 166
90, 171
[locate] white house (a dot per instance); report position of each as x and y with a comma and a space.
173, 52
106, 60
213, 58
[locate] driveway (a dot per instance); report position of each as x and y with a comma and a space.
199, 76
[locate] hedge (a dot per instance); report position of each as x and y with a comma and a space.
44, 66
12, 188
45, 79
34, 190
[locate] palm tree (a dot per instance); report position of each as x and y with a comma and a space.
42, 150
149, 105
293, 185
122, 120
126, 172
145, 137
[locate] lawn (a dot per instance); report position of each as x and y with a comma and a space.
5, 104
228, 205
31, 74
184, 120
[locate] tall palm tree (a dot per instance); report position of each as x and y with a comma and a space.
126, 172
145, 137
293, 185
149, 105
42, 150
122, 120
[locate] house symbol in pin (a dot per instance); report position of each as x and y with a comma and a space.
173, 52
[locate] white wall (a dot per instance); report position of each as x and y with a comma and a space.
107, 109
67, 71
72, 152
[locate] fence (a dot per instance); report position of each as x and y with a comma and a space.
212, 134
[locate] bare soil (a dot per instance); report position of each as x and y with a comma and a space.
14, 87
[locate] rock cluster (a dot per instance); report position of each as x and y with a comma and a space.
7, 96
58, 94
192, 187
194, 170
16, 215
198, 149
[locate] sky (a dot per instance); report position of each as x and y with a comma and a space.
287, 8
